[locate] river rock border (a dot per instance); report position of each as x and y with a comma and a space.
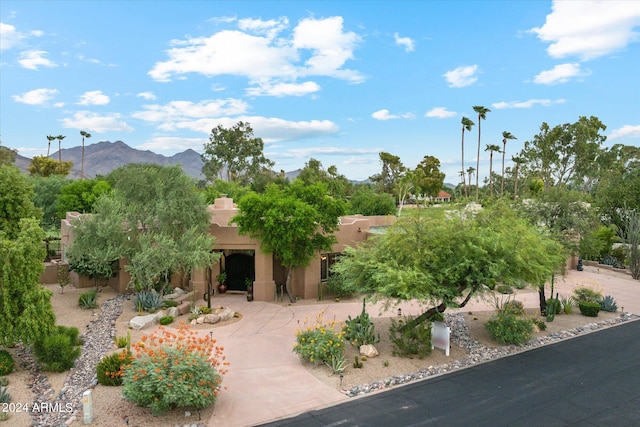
479, 353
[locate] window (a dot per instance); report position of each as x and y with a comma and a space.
326, 262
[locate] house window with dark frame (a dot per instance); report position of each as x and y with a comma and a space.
326, 262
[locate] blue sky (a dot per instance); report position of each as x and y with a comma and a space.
338, 81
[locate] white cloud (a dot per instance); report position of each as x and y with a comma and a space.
527, 104
408, 43
36, 96
461, 76
299, 153
589, 29
440, 113
284, 89
273, 129
174, 113
385, 115
9, 36
626, 131
561, 73
98, 123
149, 96
94, 97
32, 59
363, 160
37, 33
173, 143
261, 52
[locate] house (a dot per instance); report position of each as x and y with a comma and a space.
242, 260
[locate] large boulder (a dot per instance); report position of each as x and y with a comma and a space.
368, 350
141, 322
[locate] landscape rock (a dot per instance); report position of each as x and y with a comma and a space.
368, 350
173, 312
211, 318
141, 322
225, 313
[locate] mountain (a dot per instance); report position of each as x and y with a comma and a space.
104, 156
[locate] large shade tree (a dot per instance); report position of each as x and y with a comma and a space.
292, 223
442, 261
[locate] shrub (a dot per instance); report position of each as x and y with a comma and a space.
89, 299
504, 289
122, 342
58, 352
150, 301
608, 304
507, 328
205, 310
540, 324
173, 370
165, 320
586, 295
6, 363
320, 341
169, 303
588, 308
5, 397
360, 330
513, 307
519, 284
612, 261
4, 381
110, 369
410, 341
4, 416
567, 304
338, 287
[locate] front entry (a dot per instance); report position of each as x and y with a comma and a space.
239, 267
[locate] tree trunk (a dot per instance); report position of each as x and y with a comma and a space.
427, 314
543, 301
287, 285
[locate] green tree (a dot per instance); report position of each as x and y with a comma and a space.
631, 238
467, 124
518, 161
413, 260
482, 115
392, 171
7, 155
234, 153
84, 135
491, 148
46, 192
313, 173
367, 202
429, 178
46, 166
293, 223
505, 136
16, 201
566, 154
80, 195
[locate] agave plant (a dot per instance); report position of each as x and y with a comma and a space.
150, 301
608, 303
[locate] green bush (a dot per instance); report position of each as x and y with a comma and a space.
586, 295
507, 328
409, 342
337, 287
513, 307
319, 342
6, 363
588, 308
540, 324
58, 352
205, 310
122, 342
169, 303
608, 304
4, 381
110, 369
504, 289
89, 299
360, 330
567, 304
165, 320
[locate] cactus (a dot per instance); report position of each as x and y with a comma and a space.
608, 303
357, 363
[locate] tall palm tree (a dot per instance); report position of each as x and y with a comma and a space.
60, 138
505, 135
491, 148
470, 171
84, 135
517, 160
49, 138
466, 124
482, 115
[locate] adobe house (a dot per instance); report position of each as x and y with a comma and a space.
242, 260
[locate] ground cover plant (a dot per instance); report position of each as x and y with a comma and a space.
320, 341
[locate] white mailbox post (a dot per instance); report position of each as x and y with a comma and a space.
87, 407
440, 336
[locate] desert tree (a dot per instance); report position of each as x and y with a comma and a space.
482, 115
60, 138
505, 136
491, 148
84, 135
467, 124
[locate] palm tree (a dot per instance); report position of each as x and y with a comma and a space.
505, 135
49, 138
517, 161
470, 171
60, 138
84, 135
491, 148
466, 124
482, 115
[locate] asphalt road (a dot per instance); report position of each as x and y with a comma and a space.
591, 380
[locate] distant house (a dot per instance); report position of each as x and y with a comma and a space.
443, 197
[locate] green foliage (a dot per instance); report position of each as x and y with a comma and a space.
88, 300
5, 397
58, 352
122, 342
16, 195
6, 363
110, 369
410, 341
554, 306
338, 287
507, 328
165, 320
504, 289
46, 166
357, 364
513, 307
367, 202
205, 310
631, 238
150, 301
612, 261
313, 173
360, 330
25, 305
320, 341
567, 304
4, 416
231, 189
540, 324
586, 295
589, 308
62, 272
169, 303
337, 365
80, 195
4, 381
46, 192
608, 303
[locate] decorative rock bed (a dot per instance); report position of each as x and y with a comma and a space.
477, 352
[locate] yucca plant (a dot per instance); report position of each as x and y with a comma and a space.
608, 303
150, 301
89, 299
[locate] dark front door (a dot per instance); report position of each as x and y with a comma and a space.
239, 267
